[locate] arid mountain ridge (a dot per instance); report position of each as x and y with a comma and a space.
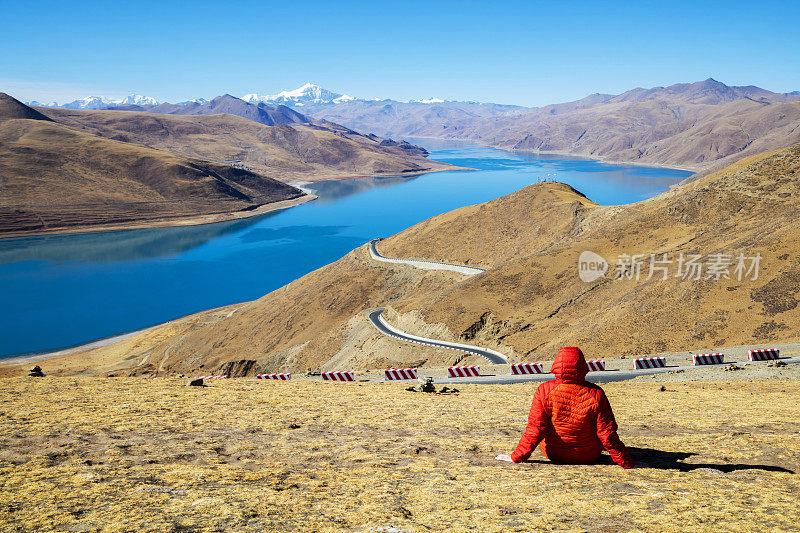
530, 300
698, 126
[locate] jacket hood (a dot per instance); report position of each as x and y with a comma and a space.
570, 365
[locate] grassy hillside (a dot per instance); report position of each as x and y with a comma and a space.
535, 302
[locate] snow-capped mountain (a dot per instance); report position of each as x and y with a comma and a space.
36, 103
193, 101
307, 94
89, 102
138, 99
427, 101
97, 102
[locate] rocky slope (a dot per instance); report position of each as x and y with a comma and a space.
531, 300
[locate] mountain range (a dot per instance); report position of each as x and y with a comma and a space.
697, 126
100, 102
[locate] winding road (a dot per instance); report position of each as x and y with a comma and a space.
387, 329
425, 265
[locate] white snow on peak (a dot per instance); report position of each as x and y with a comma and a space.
89, 102
95, 102
138, 99
305, 94
254, 97
36, 103
427, 101
194, 101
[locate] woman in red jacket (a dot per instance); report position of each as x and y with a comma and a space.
571, 418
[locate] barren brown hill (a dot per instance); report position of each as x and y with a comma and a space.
13, 108
286, 151
54, 178
265, 114
660, 129
530, 301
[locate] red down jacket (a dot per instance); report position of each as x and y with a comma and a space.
571, 418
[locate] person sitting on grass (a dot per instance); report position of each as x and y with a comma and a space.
571, 418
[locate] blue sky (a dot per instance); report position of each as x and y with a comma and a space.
528, 53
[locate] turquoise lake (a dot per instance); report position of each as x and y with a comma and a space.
66, 290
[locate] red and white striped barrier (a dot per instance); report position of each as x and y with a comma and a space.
596, 365
463, 371
278, 375
526, 368
210, 377
340, 375
394, 374
649, 362
764, 355
707, 359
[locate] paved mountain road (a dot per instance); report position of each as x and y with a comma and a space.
387, 329
425, 265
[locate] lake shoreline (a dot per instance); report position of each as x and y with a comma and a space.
198, 220
194, 220
19, 360
589, 157
452, 168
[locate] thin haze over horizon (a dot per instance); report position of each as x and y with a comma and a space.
524, 53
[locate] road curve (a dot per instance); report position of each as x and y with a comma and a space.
387, 329
426, 265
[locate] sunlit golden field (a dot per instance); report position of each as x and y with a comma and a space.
129, 454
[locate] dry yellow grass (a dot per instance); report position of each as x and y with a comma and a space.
142, 455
